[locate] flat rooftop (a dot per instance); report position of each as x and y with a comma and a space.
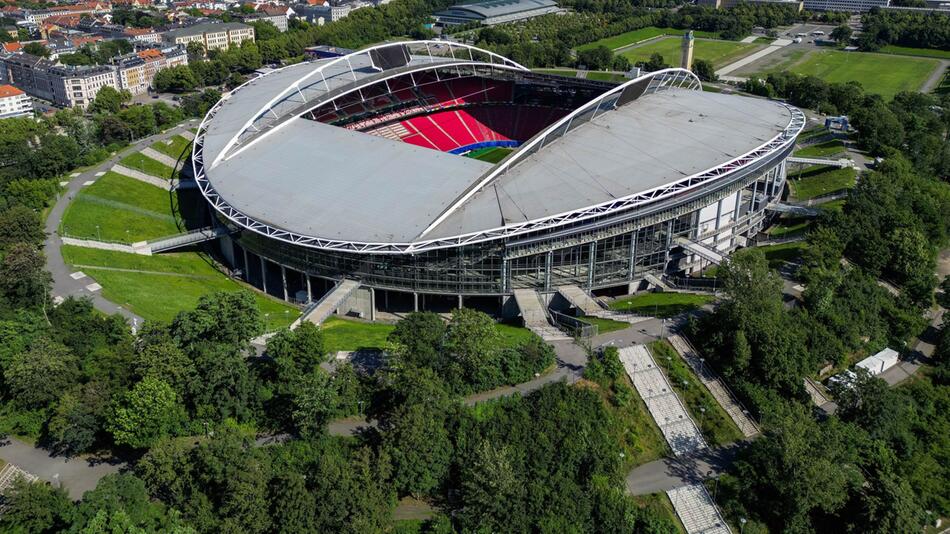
323, 181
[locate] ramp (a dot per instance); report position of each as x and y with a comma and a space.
793, 209
651, 278
697, 510
580, 299
700, 250
535, 316
841, 163
330, 302
189, 238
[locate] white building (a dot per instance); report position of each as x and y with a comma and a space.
14, 102
880, 362
212, 36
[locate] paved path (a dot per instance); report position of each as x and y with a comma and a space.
697, 511
776, 45
668, 473
76, 475
64, 285
935, 77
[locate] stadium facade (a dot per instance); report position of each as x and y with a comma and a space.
361, 168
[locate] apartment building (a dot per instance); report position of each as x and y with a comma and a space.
212, 36
63, 85
14, 103
137, 71
37, 16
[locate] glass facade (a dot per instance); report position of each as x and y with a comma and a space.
612, 250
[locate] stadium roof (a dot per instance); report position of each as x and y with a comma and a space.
325, 182
499, 8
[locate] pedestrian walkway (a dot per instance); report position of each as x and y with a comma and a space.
697, 511
331, 301
535, 317
776, 45
716, 386
159, 157
664, 404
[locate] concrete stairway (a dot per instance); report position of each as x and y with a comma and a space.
700, 250
588, 306
331, 301
535, 317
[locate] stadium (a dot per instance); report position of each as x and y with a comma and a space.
430, 174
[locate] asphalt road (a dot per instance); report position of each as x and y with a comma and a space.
76, 475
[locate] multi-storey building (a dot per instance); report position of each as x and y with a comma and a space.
136, 72
212, 36
37, 16
14, 102
853, 6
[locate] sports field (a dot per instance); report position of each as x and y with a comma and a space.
635, 36
119, 208
883, 74
491, 155
158, 287
720, 53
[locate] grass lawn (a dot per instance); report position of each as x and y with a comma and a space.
661, 304
340, 333
605, 325
819, 181
821, 150
119, 208
779, 254
711, 88
718, 52
883, 74
635, 36
919, 52
158, 287
834, 205
606, 76
147, 165
351, 334
715, 424
173, 147
661, 506
491, 154
570, 73
790, 227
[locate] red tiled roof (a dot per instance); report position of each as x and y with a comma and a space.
8, 91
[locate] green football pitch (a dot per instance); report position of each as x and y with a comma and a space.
491, 154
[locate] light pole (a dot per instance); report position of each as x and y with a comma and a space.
742, 522
98, 235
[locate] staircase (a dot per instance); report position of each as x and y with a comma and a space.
535, 317
330, 302
586, 304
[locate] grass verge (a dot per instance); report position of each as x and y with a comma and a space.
172, 147
821, 150
918, 52
605, 326
661, 304
148, 165
717, 427
779, 254
636, 36
720, 53
341, 333
661, 506
158, 287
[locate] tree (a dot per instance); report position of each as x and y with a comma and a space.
23, 276
122, 498
35, 507
36, 49
842, 34
492, 494
419, 338
140, 119
177, 79
596, 58
38, 377
221, 317
655, 63
416, 439
472, 340
314, 403
20, 224
292, 505
109, 100
166, 361
705, 70
196, 51
147, 413
74, 424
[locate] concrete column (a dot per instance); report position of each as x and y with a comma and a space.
631, 272
247, 266
372, 304
263, 274
592, 253
415, 301
283, 279
460, 302
669, 243
504, 275
548, 262
309, 292
719, 214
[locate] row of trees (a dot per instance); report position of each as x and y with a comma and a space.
906, 28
